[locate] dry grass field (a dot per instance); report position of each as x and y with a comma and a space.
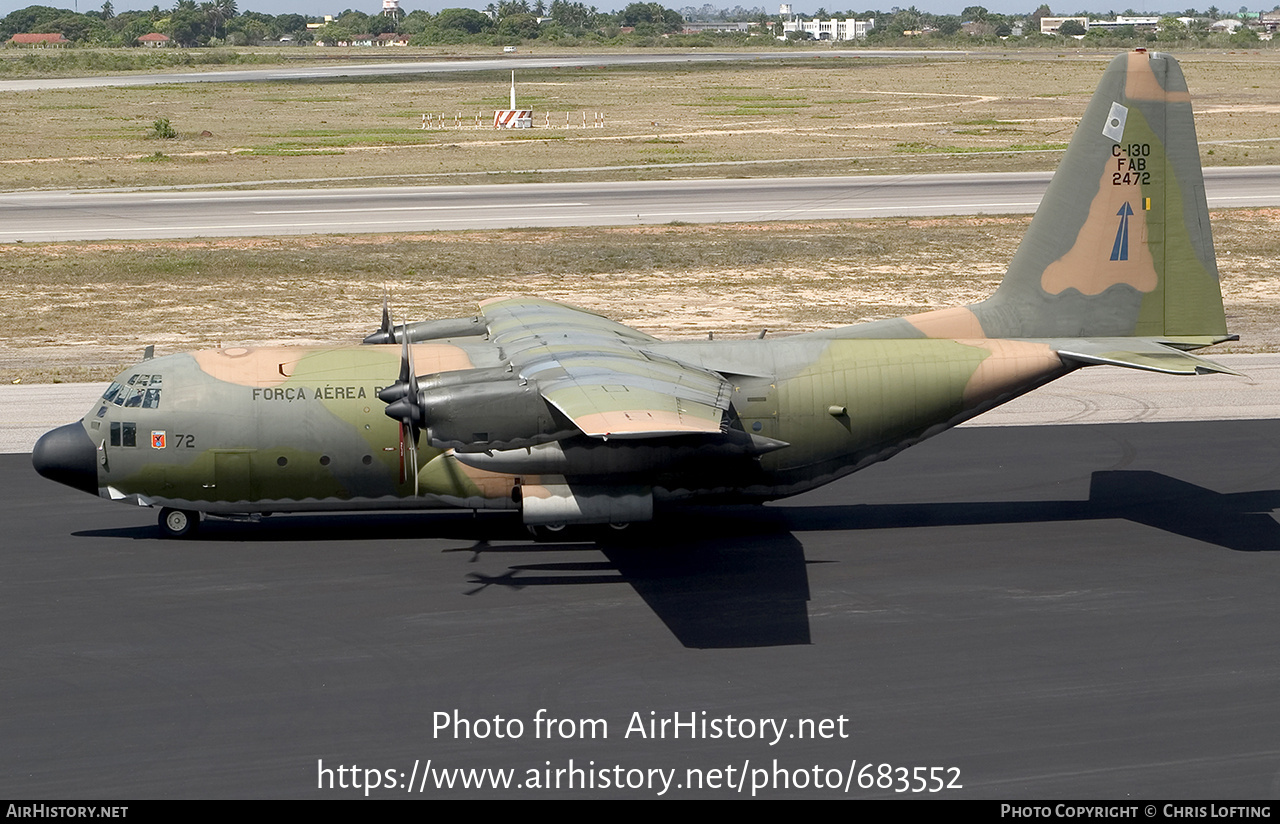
840, 115
79, 311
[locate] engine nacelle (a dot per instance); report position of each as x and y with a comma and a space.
496, 414
431, 330
582, 456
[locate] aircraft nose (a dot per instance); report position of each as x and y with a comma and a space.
66, 455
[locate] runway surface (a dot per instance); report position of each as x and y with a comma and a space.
1053, 612
316, 70
67, 215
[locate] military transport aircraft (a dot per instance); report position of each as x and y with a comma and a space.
569, 418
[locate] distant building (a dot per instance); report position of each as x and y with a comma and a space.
155, 40
848, 29
1050, 25
39, 41
1138, 23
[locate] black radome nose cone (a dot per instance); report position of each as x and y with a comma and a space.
66, 455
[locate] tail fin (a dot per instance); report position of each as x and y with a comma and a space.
1121, 244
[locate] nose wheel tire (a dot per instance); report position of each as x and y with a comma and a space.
178, 523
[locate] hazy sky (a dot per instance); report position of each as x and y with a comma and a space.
318, 7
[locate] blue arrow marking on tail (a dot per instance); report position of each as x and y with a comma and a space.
1120, 249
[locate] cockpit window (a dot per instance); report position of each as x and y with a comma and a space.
140, 391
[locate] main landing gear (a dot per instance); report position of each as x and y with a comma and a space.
600, 533
178, 523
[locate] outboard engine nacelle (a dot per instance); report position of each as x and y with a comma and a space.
430, 330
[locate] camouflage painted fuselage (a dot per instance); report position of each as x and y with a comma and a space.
271, 430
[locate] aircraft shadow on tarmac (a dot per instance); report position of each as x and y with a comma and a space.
737, 576
1240, 521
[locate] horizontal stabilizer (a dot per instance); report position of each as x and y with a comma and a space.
1138, 353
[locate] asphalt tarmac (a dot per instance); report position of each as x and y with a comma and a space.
316, 70
95, 215
1040, 612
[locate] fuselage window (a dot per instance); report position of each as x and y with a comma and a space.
151, 400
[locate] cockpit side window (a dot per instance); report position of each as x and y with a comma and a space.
124, 434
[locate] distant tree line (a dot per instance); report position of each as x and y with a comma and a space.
218, 22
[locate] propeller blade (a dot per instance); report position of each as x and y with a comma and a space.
406, 361
387, 331
412, 398
404, 405
413, 455
403, 477
400, 389
413, 373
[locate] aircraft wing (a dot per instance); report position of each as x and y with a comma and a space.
599, 375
